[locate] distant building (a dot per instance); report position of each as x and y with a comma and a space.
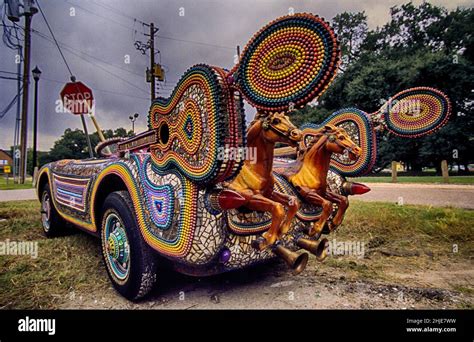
5, 159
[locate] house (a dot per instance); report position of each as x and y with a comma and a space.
5, 159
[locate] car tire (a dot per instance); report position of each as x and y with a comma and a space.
53, 224
130, 262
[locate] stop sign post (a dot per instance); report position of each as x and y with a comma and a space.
78, 99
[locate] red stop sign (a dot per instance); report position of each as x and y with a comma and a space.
77, 98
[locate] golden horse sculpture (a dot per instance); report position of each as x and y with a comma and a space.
255, 181
310, 178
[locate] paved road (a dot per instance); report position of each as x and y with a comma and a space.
17, 195
437, 195
461, 196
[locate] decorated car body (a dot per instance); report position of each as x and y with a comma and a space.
178, 192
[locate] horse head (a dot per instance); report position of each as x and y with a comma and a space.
338, 141
277, 127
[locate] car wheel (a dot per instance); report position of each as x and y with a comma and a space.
130, 262
53, 224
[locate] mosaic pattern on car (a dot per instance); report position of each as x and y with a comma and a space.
209, 236
74, 175
174, 239
194, 124
242, 253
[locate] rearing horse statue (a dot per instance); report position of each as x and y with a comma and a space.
310, 179
255, 181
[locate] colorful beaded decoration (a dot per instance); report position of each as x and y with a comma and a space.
416, 112
179, 223
158, 199
291, 60
360, 129
201, 118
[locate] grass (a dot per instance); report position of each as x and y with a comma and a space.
65, 265
12, 186
72, 264
429, 233
419, 179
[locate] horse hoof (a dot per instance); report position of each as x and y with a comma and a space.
326, 229
312, 233
260, 244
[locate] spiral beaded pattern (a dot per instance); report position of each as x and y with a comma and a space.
291, 60
416, 112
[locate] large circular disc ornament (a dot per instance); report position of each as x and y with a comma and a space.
288, 63
416, 112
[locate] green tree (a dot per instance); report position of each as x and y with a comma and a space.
419, 46
351, 30
73, 144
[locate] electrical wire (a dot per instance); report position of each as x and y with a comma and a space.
8, 72
100, 90
69, 47
99, 16
158, 36
195, 42
116, 11
54, 37
10, 105
100, 67
9, 78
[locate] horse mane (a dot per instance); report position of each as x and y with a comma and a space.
319, 139
254, 130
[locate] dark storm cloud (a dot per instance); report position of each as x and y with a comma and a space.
108, 35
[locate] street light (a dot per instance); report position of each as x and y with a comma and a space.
36, 76
133, 119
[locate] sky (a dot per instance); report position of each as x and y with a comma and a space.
98, 39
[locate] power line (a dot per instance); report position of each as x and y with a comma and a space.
158, 36
42, 35
66, 46
9, 72
9, 78
100, 16
196, 42
95, 64
99, 90
64, 59
116, 11
10, 105
54, 37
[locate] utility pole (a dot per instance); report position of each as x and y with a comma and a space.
155, 71
29, 12
151, 46
152, 60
